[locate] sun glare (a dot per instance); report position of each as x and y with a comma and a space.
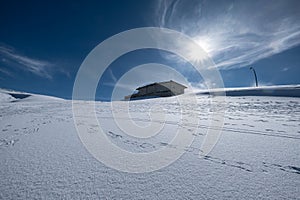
194, 53
206, 43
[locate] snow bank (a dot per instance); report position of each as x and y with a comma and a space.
283, 91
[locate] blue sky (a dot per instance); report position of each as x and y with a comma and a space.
42, 44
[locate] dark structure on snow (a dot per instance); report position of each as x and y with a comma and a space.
162, 89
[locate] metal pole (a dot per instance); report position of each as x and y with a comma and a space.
251, 68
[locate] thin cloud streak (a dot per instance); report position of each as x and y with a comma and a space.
112, 75
39, 67
5, 72
235, 33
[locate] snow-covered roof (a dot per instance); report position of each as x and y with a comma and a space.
161, 83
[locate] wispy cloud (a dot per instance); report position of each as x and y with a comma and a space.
235, 33
14, 59
5, 72
285, 69
112, 75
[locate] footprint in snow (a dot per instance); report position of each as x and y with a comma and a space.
248, 125
290, 169
230, 163
8, 142
294, 169
261, 120
279, 131
113, 135
194, 150
147, 145
131, 142
164, 144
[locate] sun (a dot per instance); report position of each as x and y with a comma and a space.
193, 51
206, 43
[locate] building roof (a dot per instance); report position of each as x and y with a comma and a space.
161, 83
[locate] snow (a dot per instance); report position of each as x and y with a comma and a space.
278, 90
257, 156
15, 96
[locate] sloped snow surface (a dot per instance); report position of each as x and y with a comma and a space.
279, 91
257, 156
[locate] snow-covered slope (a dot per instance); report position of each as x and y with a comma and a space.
15, 96
257, 156
279, 90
